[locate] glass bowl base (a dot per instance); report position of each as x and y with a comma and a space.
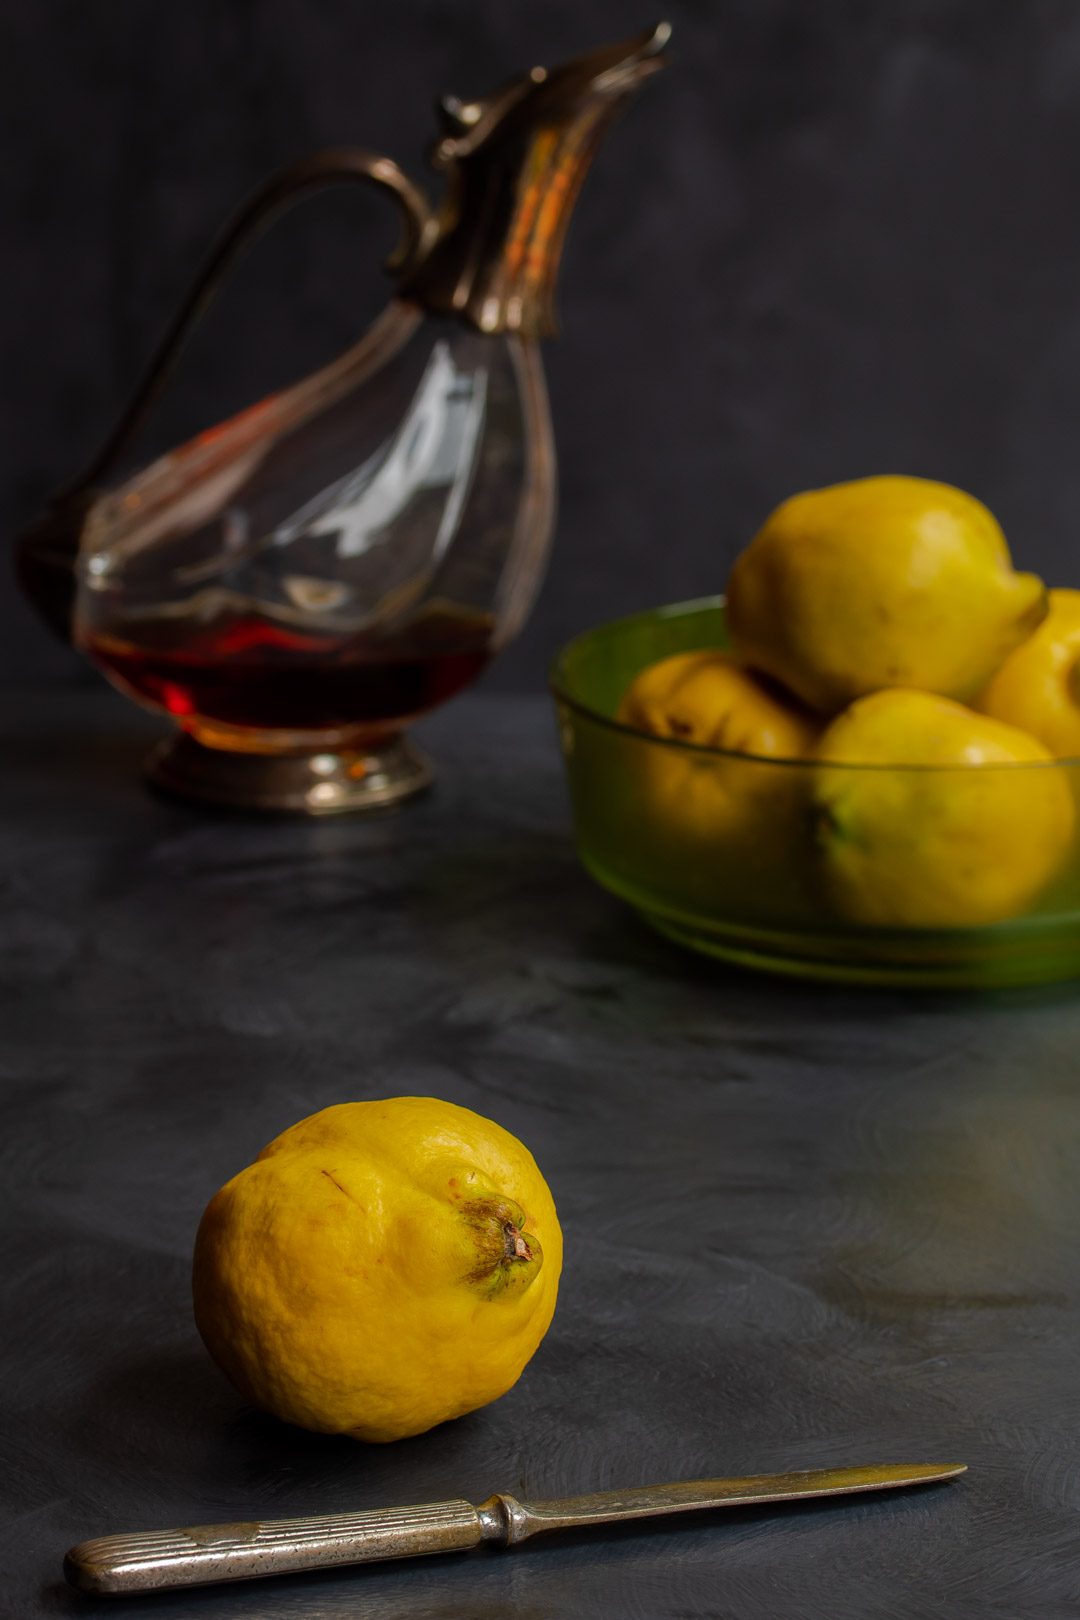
1032, 951
336, 781
805, 956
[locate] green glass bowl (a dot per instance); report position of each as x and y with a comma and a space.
718, 850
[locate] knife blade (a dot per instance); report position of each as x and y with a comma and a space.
160, 1560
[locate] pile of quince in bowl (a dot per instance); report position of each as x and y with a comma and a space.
879, 633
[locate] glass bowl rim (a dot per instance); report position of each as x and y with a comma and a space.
557, 685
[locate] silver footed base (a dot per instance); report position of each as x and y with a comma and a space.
337, 782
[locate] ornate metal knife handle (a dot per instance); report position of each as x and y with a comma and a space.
156, 1560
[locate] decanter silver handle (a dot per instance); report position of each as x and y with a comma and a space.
47, 549
336, 166
159, 1560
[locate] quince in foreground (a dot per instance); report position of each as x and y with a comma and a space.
379, 1268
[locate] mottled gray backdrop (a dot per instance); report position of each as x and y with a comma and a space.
838, 237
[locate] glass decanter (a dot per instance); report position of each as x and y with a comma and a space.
295, 586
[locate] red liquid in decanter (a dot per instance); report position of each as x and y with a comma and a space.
250, 672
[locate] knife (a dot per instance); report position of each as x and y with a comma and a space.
159, 1560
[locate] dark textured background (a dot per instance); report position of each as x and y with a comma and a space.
834, 239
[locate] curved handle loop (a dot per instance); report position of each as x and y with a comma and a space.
273, 198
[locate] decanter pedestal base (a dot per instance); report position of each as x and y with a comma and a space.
323, 784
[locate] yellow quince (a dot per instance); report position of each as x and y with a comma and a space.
928, 815
1038, 686
708, 698
380, 1267
723, 816
881, 582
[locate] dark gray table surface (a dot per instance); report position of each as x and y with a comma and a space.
803, 1226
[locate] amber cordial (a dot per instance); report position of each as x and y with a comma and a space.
380, 1267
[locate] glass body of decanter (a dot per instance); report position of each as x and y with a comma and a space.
309, 578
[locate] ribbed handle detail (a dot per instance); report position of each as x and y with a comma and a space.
160, 1559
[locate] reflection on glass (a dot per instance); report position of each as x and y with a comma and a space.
339, 559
